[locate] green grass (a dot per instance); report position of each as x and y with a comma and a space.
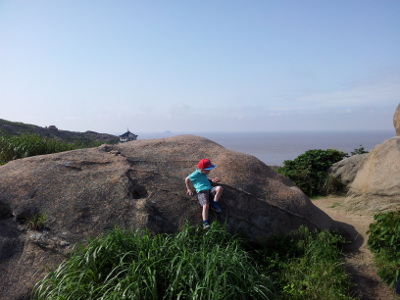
37, 221
25, 145
384, 242
307, 265
335, 204
200, 264
194, 264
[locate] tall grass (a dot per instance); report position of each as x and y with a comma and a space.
384, 242
194, 264
198, 264
307, 265
25, 145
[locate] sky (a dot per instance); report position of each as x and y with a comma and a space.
200, 66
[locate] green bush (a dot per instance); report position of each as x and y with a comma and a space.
384, 242
360, 150
309, 170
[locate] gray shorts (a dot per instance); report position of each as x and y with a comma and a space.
204, 196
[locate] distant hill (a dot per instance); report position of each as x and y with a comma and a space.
86, 138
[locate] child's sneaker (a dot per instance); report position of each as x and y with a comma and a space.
214, 205
206, 225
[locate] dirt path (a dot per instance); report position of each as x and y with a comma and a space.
358, 258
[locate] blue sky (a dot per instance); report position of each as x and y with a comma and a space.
196, 66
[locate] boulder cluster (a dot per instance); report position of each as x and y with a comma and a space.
373, 179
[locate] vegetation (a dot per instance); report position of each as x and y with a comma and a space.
357, 151
309, 170
25, 145
307, 265
37, 222
191, 265
198, 264
384, 242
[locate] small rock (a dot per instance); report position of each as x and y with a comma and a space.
396, 120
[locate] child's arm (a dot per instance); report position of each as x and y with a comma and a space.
189, 190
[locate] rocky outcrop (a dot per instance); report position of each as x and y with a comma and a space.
85, 138
135, 185
376, 185
346, 169
396, 120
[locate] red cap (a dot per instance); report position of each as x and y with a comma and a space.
205, 164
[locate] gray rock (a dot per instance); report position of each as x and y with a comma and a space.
346, 169
376, 186
138, 184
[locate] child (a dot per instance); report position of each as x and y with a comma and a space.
202, 184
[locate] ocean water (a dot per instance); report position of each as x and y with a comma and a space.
273, 148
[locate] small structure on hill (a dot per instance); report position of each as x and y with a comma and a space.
127, 136
53, 128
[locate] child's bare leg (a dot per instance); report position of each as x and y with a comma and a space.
218, 192
205, 212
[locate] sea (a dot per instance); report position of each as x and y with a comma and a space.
273, 148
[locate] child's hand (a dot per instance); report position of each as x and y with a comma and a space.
216, 179
189, 192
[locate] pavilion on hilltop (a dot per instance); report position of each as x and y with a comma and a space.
127, 136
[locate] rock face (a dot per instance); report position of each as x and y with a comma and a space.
346, 169
135, 185
396, 120
376, 185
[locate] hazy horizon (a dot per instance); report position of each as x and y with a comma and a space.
169, 132
166, 133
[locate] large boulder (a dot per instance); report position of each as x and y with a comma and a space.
376, 186
346, 169
396, 120
135, 185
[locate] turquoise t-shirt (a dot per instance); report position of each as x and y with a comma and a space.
200, 181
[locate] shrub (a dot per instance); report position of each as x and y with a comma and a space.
360, 150
384, 242
333, 185
309, 170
